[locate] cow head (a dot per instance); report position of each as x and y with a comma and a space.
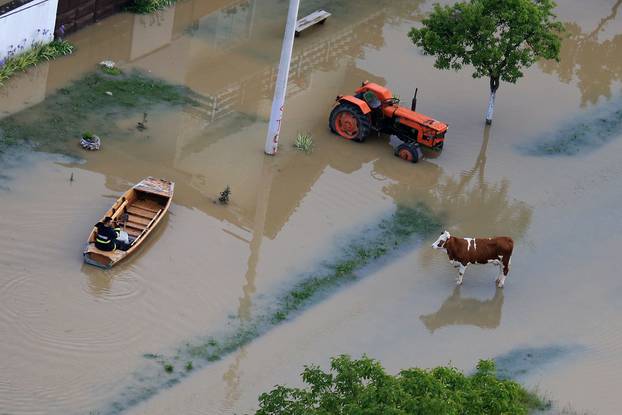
440, 242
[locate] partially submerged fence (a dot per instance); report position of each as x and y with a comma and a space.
76, 14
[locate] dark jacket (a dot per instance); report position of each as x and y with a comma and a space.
105, 237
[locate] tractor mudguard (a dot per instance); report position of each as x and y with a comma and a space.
358, 102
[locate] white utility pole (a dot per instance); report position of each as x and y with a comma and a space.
276, 115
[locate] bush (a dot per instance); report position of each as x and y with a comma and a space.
363, 387
149, 6
304, 142
38, 53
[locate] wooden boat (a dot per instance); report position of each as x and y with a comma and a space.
142, 209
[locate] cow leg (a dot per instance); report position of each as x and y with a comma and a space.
461, 270
505, 269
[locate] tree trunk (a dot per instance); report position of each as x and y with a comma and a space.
494, 85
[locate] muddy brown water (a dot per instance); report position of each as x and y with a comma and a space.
70, 333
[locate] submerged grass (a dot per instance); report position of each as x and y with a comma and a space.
387, 236
38, 53
90, 103
581, 135
304, 142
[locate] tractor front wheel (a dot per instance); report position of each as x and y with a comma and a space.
349, 122
408, 153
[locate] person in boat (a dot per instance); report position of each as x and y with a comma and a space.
107, 236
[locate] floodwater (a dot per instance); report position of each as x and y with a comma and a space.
71, 334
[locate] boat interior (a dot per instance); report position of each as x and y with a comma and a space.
135, 212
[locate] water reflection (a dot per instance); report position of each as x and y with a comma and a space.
232, 379
595, 64
457, 310
472, 205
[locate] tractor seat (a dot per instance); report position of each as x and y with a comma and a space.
372, 100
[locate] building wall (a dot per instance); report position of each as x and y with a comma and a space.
24, 22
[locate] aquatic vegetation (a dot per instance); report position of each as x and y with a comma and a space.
91, 103
114, 71
189, 366
168, 368
304, 142
387, 236
581, 135
519, 362
18, 61
363, 386
225, 195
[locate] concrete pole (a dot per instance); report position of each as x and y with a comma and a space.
272, 139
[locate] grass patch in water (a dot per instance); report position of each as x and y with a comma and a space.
372, 244
304, 143
86, 104
581, 135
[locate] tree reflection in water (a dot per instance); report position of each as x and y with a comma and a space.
595, 65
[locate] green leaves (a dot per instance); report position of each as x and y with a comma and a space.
498, 38
39, 52
363, 387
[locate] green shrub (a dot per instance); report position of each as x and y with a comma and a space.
304, 142
363, 387
114, 71
38, 53
149, 6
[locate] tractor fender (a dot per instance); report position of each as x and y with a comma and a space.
362, 105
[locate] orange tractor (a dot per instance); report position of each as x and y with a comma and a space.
374, 108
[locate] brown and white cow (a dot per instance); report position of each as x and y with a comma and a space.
465, 251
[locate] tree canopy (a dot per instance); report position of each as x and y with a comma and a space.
363, 387
499, 38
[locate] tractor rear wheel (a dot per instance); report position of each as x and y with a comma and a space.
408, 153
349, 122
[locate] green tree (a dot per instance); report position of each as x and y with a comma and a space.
363, 387
498, 38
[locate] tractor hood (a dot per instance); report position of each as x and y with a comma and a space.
414, 119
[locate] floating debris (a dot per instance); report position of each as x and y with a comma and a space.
140, 125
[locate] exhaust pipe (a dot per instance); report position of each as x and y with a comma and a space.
413, 104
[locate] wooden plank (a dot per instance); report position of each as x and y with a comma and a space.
143, 204
318, 16
138, 219
140, 212
133, 232
119, 211
138, 226
145, 230
157, 186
